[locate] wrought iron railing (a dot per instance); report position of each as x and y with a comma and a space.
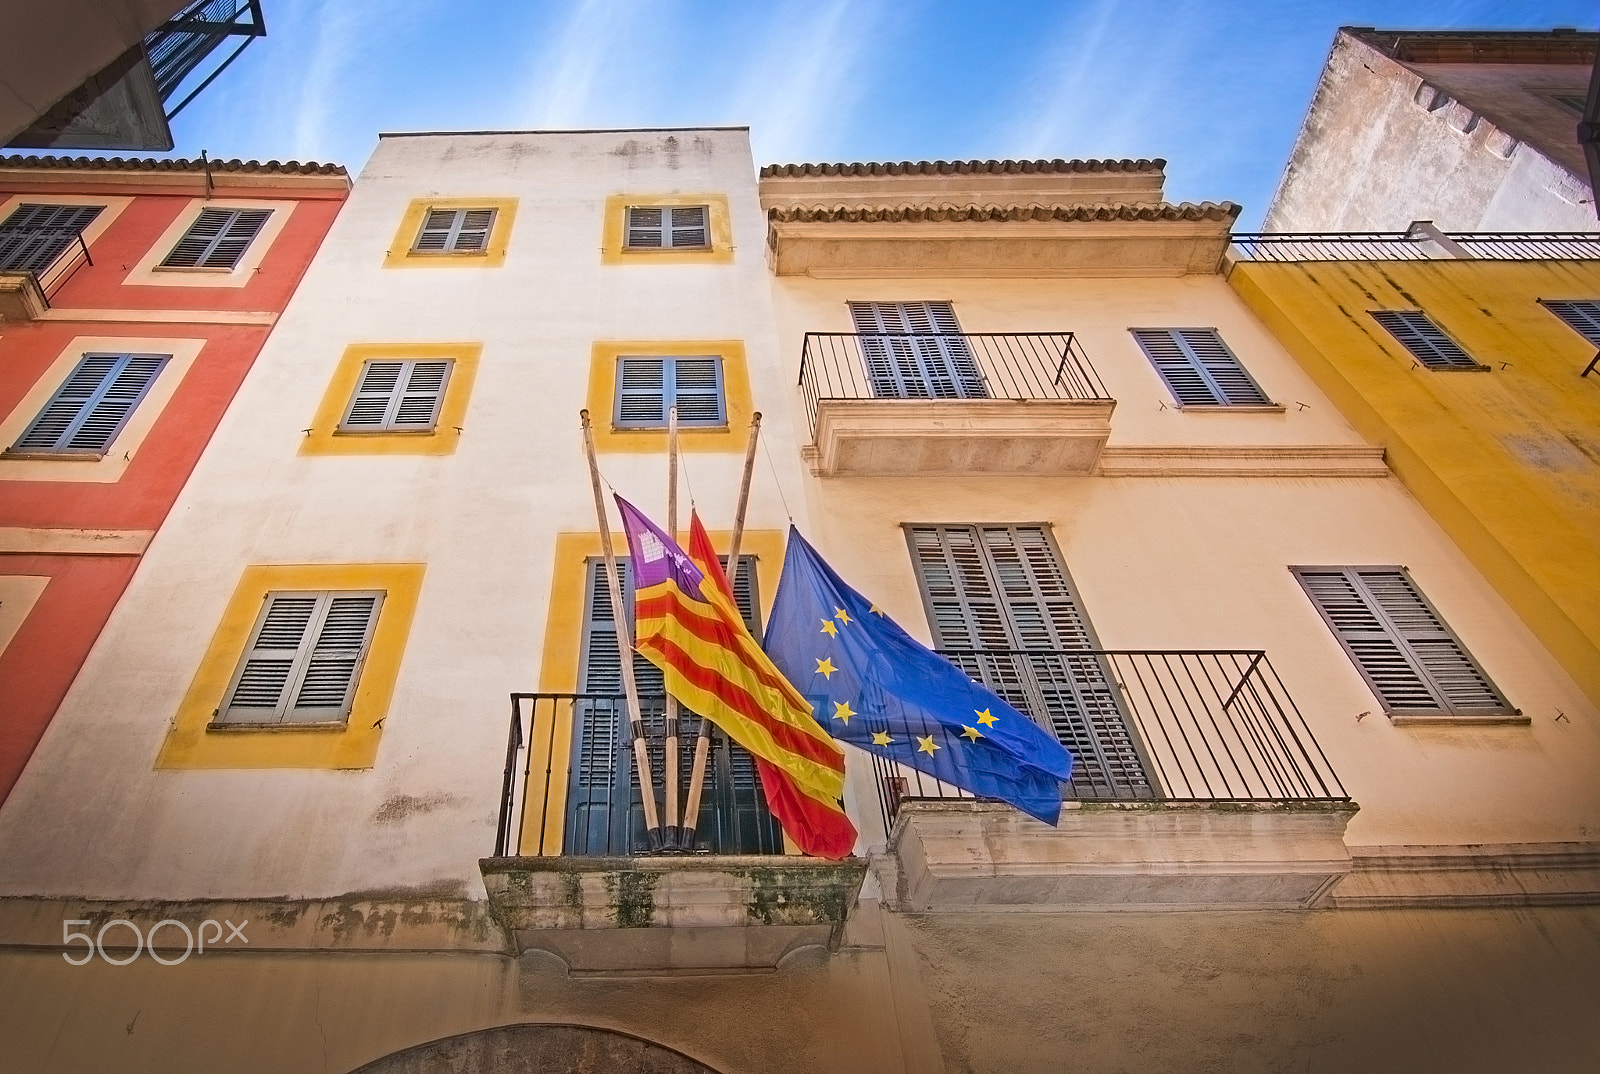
178, 47
1416, 246
571, 786
50, 276
925, 366
1160, 725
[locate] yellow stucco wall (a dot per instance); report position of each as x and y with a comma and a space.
1507, 461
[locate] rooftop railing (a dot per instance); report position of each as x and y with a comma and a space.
1415, 246
945, 366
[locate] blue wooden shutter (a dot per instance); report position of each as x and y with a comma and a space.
217, 239
1198, 367
641, 393
33, 236
648, 386
916, 350
1580, 315
1425, 340
1399, 643
696, 390
397, 395
91, 407
303, 660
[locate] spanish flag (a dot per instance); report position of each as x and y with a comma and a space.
686, 623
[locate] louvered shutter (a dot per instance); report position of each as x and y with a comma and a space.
648, 386
452, 231
646, 227
916, 350
303, 661
641, 393
217, 239
688, 227
1425, 340
1005, 588
1198, 367
697, 390
680, 228
437, 228
91, 407
1580, 315
1410, 658
34, 236
397, 395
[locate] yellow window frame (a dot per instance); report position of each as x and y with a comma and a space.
325, 437
493, 255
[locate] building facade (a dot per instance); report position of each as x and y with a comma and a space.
1017, 405
134, 297
1473, 130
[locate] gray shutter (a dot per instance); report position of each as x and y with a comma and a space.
472, 230
1198, 367
696, 390
1580, 315
642, 392
397, 395
437, 229
1410, 658
688, 227
34, 236
1425, 340
217, 239
646, 228
91, 407
1005, 588
303, 660
916, 350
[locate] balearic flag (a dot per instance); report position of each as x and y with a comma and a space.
714, 667
879, 688
818, 826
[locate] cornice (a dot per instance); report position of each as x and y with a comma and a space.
1214, 211
960, 167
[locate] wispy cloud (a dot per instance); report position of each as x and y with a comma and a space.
571, 86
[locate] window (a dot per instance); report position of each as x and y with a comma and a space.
1425, 340
1404, 650
33, 236
397, 396
647, 387
993, 591
91, 407
668, 227
217, 239
303, 659
1199, 368
916, 350
1580, 315
455, 231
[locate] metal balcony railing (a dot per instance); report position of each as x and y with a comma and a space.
29, 251
932, 366
571, 786
1410, 246
1160, 725
179, 47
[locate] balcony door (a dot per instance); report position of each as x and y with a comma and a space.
915, 350
1001, 602
605, 813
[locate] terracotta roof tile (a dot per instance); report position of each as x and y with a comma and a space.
961, 167
150, 164
945, 213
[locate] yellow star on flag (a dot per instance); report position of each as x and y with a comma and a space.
842, 711
842, 615
881, 738
971, 732
825, 668
875, 610
984, 717
927, 745
828, 628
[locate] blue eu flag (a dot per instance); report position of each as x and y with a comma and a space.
876, 687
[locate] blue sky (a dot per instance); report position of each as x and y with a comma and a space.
1218, 89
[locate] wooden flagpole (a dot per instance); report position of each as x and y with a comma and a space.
669, 755
702, 745
641, 752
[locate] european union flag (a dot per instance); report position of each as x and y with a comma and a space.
877, 687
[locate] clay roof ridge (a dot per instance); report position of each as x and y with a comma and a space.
1162, 210
962, 167
147, 164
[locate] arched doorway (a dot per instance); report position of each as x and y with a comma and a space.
536, 1048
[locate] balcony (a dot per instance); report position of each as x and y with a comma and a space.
1422, 243
34, 263
1197, 784
897, 403
574, 875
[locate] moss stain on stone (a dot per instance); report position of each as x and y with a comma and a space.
631, 897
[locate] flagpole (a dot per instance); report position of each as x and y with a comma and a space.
702, 745
669, 756
641, 752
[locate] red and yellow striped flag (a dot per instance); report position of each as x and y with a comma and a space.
686, 624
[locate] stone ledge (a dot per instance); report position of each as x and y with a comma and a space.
672, 914
984, 856
1244, 460
20, 297
1482, 874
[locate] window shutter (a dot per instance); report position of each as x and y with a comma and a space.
437, 228
217, 239
397, 395
34, 236
91, 407
1198, 367
1425, 340
645, 227
641, 392
304, 658
447, 231
688, 227
681, 227
1580, 315
1004, 587
1404, 650
916, 350
697, 390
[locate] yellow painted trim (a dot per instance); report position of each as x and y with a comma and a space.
400, 254
324, 437
613, 252
602, 398
551, 746
190, 744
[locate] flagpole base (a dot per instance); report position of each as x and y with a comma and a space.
686, 838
